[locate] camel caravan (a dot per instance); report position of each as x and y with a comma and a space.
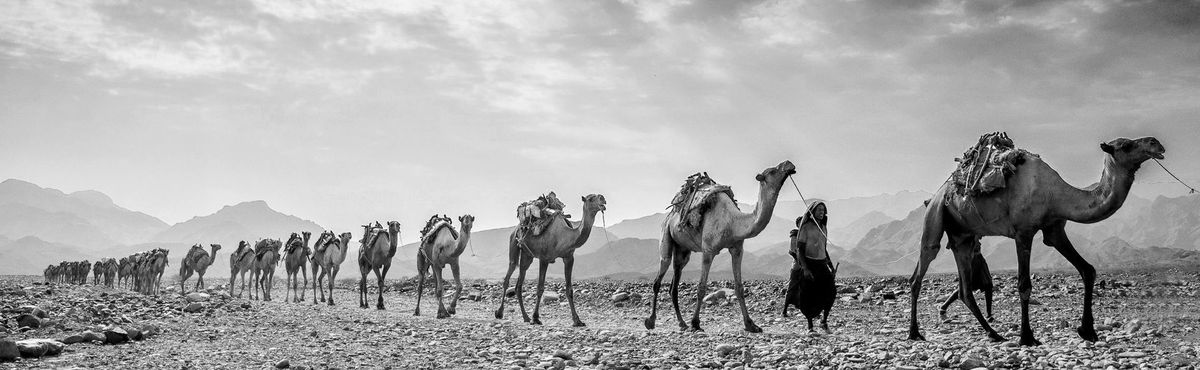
997, 189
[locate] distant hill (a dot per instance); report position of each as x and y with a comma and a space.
85, 218
853, 232
244, 221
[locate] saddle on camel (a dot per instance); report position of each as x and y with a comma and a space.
694, 198
533, 216
436, 223
986, 167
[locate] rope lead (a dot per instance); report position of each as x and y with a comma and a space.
1191, 189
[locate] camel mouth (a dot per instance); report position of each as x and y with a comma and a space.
1158, 156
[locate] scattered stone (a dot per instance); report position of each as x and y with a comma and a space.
116, 336
197, 297
889, 295
133, 332
725, 349
72, 339
40, 347
563, 354
620, 297
29, 321
718, 296
550, 297
1133, 326
972, 363
34, 310
91, 336
194, 307
8, 350
283, 364
1132, 354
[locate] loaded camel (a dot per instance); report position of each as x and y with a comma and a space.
197, 260
375, 254
328, 254
293, 264
1036, 199
262, 269
722, 226
559, 239
441, 246
239, 264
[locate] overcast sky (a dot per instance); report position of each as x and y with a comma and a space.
344, 112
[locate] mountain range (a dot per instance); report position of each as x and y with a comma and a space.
868, 235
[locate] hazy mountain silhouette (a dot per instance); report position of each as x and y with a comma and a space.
85, 218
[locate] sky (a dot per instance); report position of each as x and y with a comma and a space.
346, 112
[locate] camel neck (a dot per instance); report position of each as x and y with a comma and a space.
464, 237
585, 227
1100, 201
750, 224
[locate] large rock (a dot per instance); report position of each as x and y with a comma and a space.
725, 349
550, 297
40, 347
197, 297
718, 296
8, 350
620, 297
34, 310
72, 339
116, 336
91, 336
28, 320
193, 307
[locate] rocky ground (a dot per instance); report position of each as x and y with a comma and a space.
1146, 319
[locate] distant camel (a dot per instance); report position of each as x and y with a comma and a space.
328, 254
239, 264
375, 254
262, 272
197, 260
296, 257
441, 247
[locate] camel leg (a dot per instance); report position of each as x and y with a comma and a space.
825, 321
681, 260
568, 267
736, 253
200, 281
438, 287
525, 262
232, 281
332, 272
1025, 287
379, 274
790, 293
705, 266
965, 249
316, 283
931, 243
304, 288
458, 288
987, 296
666, 252
362, 290
541, 285
288, 286
1056, 237
183, 276
953, 296
422, 266
512, 265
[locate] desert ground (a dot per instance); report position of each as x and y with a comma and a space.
1146, 318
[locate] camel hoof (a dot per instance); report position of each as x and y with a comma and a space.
942, 316
330, 303
1030, 341
991, 319
785, 314
379, 307
915, 335
695, 329
1088, 333
452, 311
649, 322
499, 314
416, 312
442, 315
752, 328
579, 324
536, 321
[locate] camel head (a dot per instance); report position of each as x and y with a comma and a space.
346, 238
243, 244
594, 203
777, 174
393, 226
466, 221
1130, 153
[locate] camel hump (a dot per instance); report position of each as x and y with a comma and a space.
695, 197
987, 166
434, 229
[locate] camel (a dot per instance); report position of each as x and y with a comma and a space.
1036, 199
375, 254
97, 272
240, 262
125, 272
110, 272
262, 269
439, 248
152, 268
559, 239
328, 254
723, 226
197, 260
293, 263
